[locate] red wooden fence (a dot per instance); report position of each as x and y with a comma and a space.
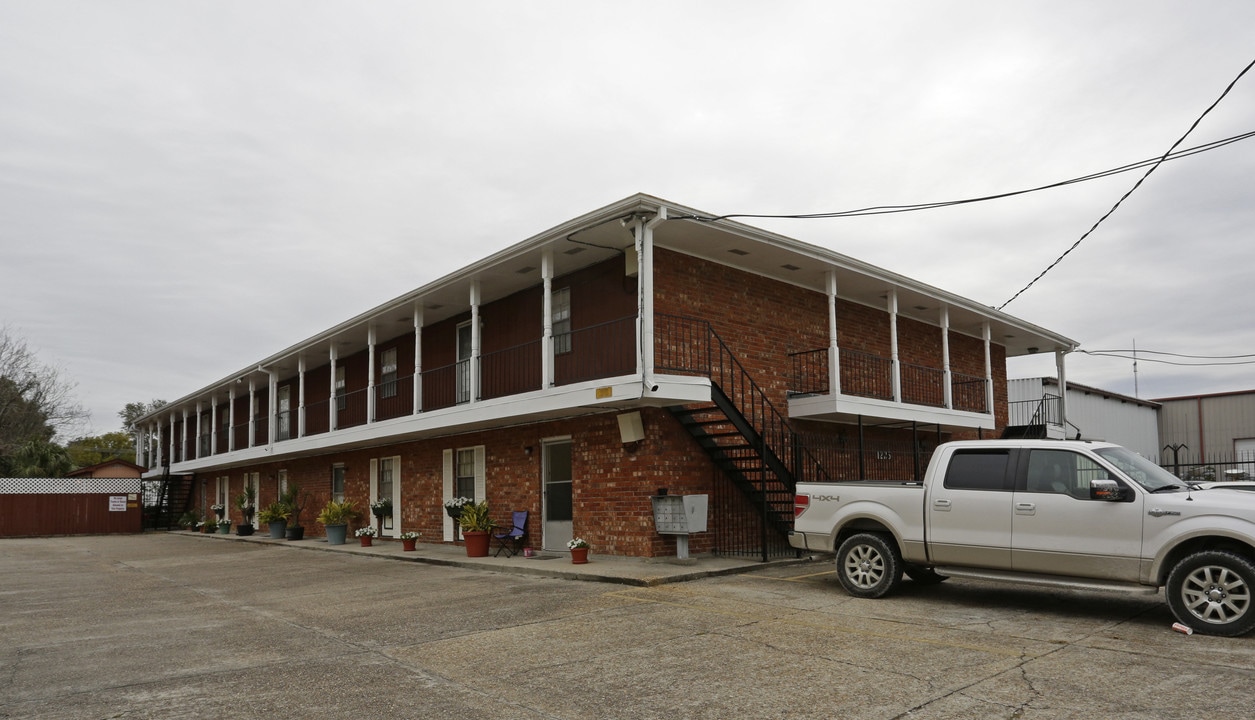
69, 506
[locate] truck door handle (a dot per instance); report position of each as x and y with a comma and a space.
1025, 508
941, 504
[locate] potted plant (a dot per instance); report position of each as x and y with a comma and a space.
207, 526
381, 509
365, 535
219, 509
579, 550
296, 500
476, 524
224, 526
246, 502
190, 520
453, 508
409, 540
335, 516
275, 515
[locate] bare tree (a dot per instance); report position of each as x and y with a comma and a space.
36, 402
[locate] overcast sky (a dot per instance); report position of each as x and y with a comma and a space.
188, 187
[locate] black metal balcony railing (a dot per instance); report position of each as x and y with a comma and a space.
923, 385
394, 398
968, 393
283, 425
317, 417
871, 376
351, 410
1046, 411
510, 371
599, 351
866, 375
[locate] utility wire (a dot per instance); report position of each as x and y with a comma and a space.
892, 209
1139, 358
1132, 189
1180, 355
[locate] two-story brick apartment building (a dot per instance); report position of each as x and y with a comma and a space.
576, 373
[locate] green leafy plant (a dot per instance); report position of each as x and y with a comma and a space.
576, 543
246, 502
296, 499
337, 513
274, 512
475, 518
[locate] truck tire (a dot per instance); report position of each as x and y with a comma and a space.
923, 575
868, 565
1212, 592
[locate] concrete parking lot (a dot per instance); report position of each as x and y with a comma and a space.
175, 626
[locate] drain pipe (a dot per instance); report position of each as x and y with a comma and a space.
644, 237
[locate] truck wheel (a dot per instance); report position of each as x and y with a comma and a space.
923, 575
868, 565
1211, 591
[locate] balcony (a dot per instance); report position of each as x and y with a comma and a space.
867, 390
605, 350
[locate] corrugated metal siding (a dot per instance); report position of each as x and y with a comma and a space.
1208, 425
1134, 426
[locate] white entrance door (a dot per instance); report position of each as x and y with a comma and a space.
556, 463
386, 485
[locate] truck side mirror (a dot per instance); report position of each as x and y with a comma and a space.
1105, 489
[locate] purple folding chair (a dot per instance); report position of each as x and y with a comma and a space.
511, 541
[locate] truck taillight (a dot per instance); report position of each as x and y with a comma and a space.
800, 503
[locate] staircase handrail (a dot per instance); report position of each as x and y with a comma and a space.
771, 425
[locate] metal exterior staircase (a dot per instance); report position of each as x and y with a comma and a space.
740, 429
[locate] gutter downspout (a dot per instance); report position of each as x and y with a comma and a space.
645, 297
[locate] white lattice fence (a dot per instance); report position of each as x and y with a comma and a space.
68, 486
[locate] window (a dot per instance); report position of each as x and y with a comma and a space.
978, 470
341, 400
388, 378
560, 318
464, 474
337, 482
1062, 472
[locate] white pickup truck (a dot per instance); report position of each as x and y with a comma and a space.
1086, 515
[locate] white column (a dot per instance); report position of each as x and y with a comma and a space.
475, 341
300, 397
834, 351
231, 418
196, 441
183, 439
418, 358
645, 285
272, 406
370, 372
1063, 389
171, 454
331, 406
947, 381
213, 425
987, 333
895, 364
546, 310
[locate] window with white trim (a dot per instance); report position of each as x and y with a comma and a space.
337, 482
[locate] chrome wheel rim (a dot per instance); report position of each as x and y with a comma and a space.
864, 566
1216, 594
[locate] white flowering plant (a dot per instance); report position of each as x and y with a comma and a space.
576, 543
224, 522
457, 503
367, 531
379, 508
411, 535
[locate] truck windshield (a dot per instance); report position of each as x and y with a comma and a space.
1140, 470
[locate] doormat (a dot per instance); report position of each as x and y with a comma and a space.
542, 557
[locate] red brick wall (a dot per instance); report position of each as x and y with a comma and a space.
611, 484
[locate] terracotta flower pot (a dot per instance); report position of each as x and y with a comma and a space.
476, 543
409, 545
579, 556
365, 540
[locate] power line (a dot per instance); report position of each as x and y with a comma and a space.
892, 209
1132, 189
1140, 358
